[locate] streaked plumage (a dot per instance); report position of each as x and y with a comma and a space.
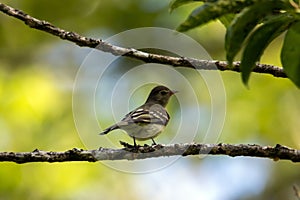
148, 120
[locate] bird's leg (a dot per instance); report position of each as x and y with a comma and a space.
134, 143
154, 143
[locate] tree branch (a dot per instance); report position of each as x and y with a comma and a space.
278, 152
133, 53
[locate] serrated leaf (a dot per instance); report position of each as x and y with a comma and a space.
177, 3
290, 53
210, 11
244, 23
260, 39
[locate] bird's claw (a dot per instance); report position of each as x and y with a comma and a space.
140, 149
129, 146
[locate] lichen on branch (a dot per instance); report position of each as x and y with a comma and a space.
276, 153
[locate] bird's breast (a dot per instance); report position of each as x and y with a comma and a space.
142, 131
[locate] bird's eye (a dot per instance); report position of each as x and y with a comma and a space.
164, 92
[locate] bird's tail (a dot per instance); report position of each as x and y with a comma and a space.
113, 127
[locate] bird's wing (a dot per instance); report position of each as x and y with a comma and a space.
148, 115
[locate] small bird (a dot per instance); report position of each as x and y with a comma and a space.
148, 120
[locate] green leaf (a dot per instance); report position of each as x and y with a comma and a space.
177, 3
290, 53
244, 23
260, 39
227, 19
212, 10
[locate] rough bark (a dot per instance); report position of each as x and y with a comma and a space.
276, 153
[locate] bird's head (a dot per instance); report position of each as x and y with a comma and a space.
160, 95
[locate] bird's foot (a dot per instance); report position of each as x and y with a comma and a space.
140, 149
129, 147
157, 146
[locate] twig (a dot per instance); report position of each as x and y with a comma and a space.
278, 152
133, 53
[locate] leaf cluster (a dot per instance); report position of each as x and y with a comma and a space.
251, 25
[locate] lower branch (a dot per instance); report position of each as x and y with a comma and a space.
278, 152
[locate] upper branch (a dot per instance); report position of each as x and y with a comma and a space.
251, 150
133, 53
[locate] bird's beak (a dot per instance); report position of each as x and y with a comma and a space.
174, 91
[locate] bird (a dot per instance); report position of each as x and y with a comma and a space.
148, 120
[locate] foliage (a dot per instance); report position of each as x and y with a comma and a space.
259, 21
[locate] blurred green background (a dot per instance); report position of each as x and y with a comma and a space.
37, 73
